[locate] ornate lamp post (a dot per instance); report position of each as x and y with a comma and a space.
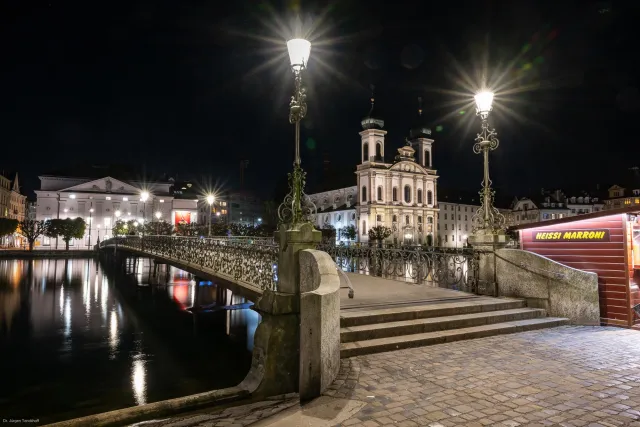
158, 216
210, 200
90, 222
290, 210
487, 219
144, 196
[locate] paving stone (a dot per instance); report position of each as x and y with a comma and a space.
566, 376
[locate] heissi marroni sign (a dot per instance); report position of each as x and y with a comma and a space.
601, 235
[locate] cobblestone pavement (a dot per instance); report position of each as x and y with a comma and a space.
567, 376
238, 416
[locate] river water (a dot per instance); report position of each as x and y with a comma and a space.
79, 337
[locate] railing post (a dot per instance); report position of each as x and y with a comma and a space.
486, 245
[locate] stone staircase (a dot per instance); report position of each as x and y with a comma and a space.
375, 330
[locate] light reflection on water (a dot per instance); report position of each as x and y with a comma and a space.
69, 336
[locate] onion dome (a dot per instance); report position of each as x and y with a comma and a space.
372, 120
419, 128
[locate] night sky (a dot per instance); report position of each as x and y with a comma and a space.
192, 88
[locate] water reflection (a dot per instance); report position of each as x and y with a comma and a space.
71, 331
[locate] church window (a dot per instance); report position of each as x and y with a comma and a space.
445, 226
429, 197
378, 151
406, 219
427, 158
446, 238
365, 152
379, 193
394, 194
364, 193
419, 195
465, 218
445, 216
379, 218
407, 194
364, 227
430, 219
419, 220
395, 218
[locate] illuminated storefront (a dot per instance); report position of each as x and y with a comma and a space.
606, 243
184, 217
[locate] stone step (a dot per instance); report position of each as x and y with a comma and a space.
434, 324
380, 345
350, 318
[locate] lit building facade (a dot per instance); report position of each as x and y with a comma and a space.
336, 208
627, 194
101, 202
400, 195
5, 196
18, 202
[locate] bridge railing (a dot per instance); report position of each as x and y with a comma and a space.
250, 261
443, 268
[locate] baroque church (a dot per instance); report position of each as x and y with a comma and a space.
401, 195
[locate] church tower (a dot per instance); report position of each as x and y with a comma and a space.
420, 138
372, 136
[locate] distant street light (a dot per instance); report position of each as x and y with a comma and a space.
487, 219
291, 210
90, 222
158, 216
210, 200
143, 197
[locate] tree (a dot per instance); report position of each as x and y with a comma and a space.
66, 229
32, 229
349, 232
120, 228
379, 233
158, 228
328, 233
8, 226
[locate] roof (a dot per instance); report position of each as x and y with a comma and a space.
446, 195
95, 171
599, 214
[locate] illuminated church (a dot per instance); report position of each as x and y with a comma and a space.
401, 195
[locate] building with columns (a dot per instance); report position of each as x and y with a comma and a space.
101, 202
336, 208
401, 194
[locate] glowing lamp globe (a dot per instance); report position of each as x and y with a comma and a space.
158, 215
210, 199
299, 51
144, 196
483, 102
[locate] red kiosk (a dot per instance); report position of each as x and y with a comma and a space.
606, 243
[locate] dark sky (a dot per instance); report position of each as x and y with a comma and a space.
195, 87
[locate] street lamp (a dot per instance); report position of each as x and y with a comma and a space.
210, 200
487, 219
291, 209
143, 197
158, 216
90, 222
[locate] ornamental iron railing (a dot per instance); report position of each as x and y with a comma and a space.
450, 269
250, 261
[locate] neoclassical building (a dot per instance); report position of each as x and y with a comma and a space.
102, 201
401, 195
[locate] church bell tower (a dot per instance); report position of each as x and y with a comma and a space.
372, 136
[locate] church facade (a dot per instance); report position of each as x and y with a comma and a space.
400, 195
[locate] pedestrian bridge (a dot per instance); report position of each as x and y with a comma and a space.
252, 262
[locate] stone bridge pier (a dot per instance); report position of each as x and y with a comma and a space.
297, 343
